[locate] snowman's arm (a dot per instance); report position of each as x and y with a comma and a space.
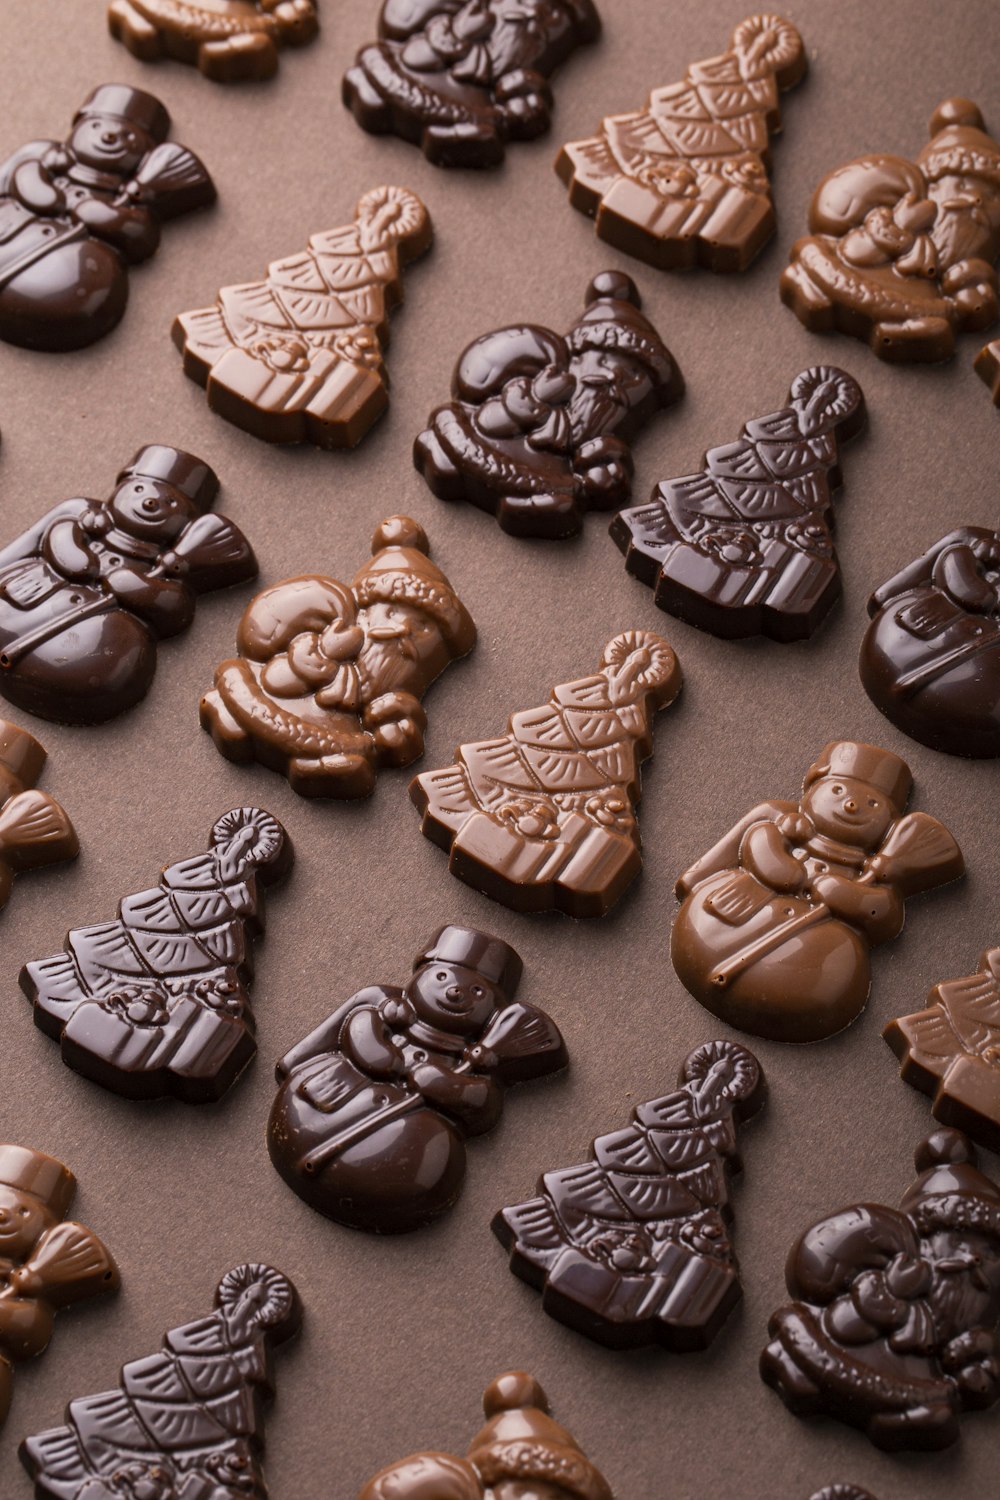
367, 1043
131, 229
29, 543
765, 853
918, 573
35, 151
958, 571
326, 1037
725, 855
473, 1099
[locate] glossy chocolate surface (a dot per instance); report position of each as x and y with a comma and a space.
778, 918
75, 214
47, 1262
88, 591
745, 547
842, 1492
632, 1247
930, 659
297, 357
893, 1326
544, 817
684, 181
187, 1421
540, 427
328, 683
521, 1454
374, 1107
34, 829
951, 1051
901, 252
155, 1002
461, 78
988, 368
228, 40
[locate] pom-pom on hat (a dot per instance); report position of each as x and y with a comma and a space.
879, 768
496, 960
42, 1176
960, 145
126, 103
172, 466
401, 571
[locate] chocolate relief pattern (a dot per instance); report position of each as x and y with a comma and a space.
520, 1453
632, 1247
988, 368
544, 817
374, 1107
778, 919
539, 430
86, 593
34, 829
187, 1421
297, 357
901, 253
155, 1002
46, 1261
328, 683
684, 181
75, 214
930, 659
951, 1050
461, 78
745, 547
228, 40
893, 1323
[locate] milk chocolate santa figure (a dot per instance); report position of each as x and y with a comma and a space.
87, 592
75, 215
328, 682
297, 357
683, 182
460, 78
539, 430
34, 829
46, 1263
893, 1326
374, 1107
779, 917
931, 657
521, 1454
901, 253
228, 40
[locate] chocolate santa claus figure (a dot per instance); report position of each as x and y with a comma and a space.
779, 917
75, 215
228, 40
893, 1326
521, 1454
328, 682
539, 429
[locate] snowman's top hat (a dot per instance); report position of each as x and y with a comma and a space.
182, 471
33, 1172
126, 103
496, 960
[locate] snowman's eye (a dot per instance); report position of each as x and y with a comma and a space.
442, 977
477, 992
837, 790
139, 488
24, 1212
873, 802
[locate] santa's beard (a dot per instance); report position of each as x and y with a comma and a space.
385, 667
594, 409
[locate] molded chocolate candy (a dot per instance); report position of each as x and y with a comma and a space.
297, 357
746, 547
951, 1050
155, 1002
632, 1247
328, 682
34, 829
930, 660
75, 215
901, 253
539, 430
842, 1492
893, 1329
988, 368
46, 1262
684, 181
544, 817
374, 1107
187, 1421
228, 40
87, 592
461, 78
779, 917
521, 1452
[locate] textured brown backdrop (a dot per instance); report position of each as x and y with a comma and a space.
402, 1335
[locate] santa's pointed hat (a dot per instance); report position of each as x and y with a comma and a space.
614, 322
951, 1193
960, 145
401, 571
521, 1442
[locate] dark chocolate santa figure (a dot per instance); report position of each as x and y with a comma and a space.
185, 1423
779, 917
375, 1105
632, 1247
746, 546
74, 216
46, 1263
539, 430
155, 1002
87, 592
893, 1326
34, 828
461, 78
931, 657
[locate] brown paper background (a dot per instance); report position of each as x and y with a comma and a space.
401, 1335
